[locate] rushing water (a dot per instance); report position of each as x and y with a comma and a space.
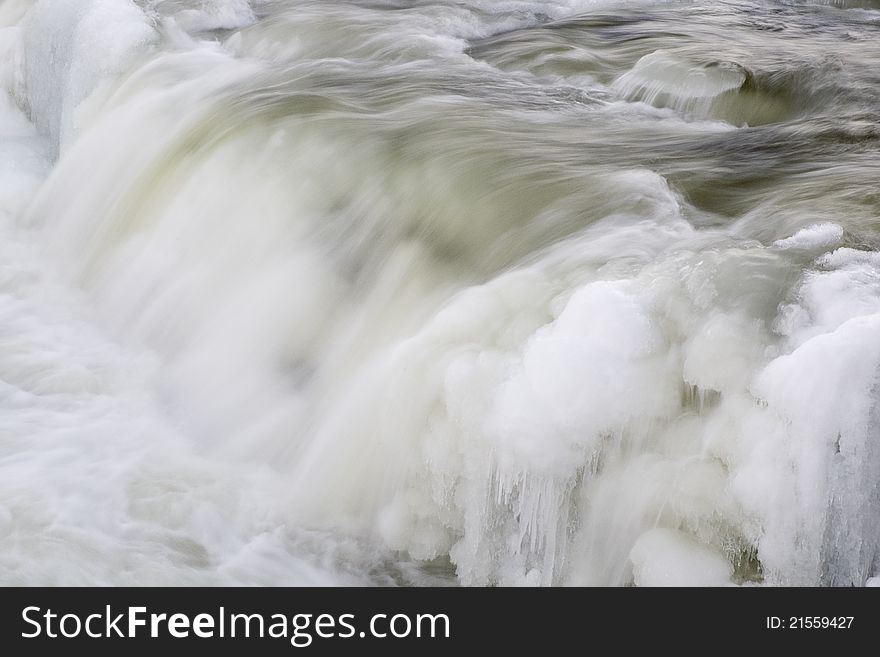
439, 291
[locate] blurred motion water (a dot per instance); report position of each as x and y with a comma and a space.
564, 292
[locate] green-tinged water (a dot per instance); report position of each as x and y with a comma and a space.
481, 293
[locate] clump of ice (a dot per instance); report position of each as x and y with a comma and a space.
665, 557
812, 461
640, 401
816, 236
663, 79
205, 15
577, 379
72, 48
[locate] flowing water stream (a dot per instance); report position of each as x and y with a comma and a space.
573, 292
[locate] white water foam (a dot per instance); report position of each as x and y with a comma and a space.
282, 355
